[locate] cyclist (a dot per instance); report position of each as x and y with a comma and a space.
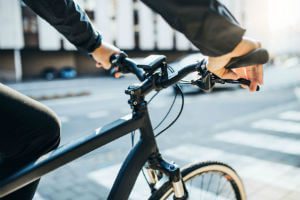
30, 129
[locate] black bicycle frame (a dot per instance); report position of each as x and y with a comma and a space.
128, 173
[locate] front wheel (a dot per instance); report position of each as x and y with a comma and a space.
206, 181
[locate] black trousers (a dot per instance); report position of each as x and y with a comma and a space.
28, 130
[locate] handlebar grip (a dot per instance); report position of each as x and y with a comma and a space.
126, 65
255, 57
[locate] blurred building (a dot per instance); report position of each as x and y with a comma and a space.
28, 44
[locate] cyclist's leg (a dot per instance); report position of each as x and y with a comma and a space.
28, 130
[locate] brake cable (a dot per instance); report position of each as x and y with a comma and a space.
171, 107
167, 114
179, 113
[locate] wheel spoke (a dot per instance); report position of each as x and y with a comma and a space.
209, 182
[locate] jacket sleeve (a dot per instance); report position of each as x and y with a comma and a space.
206, 23
70, 20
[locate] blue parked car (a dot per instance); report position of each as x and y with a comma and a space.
49, 73
68, 72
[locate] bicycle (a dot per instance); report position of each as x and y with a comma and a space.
166, 180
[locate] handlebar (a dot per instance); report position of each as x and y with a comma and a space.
160, 80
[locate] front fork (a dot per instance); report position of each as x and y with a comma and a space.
157, 166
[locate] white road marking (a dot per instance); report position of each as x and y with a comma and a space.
64, 119
106, 177
37, 196
247, 167
290, 115
98, 114
263, 141
253, 116
277, 125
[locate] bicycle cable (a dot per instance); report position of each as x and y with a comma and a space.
167, 114
179, 113
171, 107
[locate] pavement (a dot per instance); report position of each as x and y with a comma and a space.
258, 134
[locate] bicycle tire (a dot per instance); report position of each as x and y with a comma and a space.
197, 169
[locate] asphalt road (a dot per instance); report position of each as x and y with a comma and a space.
256, 133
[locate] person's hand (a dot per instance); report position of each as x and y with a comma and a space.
103, 53
252, 73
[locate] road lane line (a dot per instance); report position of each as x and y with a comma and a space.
263, 141
98, 114
290, 115
249, 168
277, 125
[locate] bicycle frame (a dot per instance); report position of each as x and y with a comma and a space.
128, 173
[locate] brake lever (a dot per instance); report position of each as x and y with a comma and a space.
205, 83
241, 81
208, 81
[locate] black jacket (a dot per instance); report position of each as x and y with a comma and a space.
206, 23
70, 20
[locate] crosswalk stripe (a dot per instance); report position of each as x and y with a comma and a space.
290, 115
98, 114
259, 140
278, 126
248, 168
106, 177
